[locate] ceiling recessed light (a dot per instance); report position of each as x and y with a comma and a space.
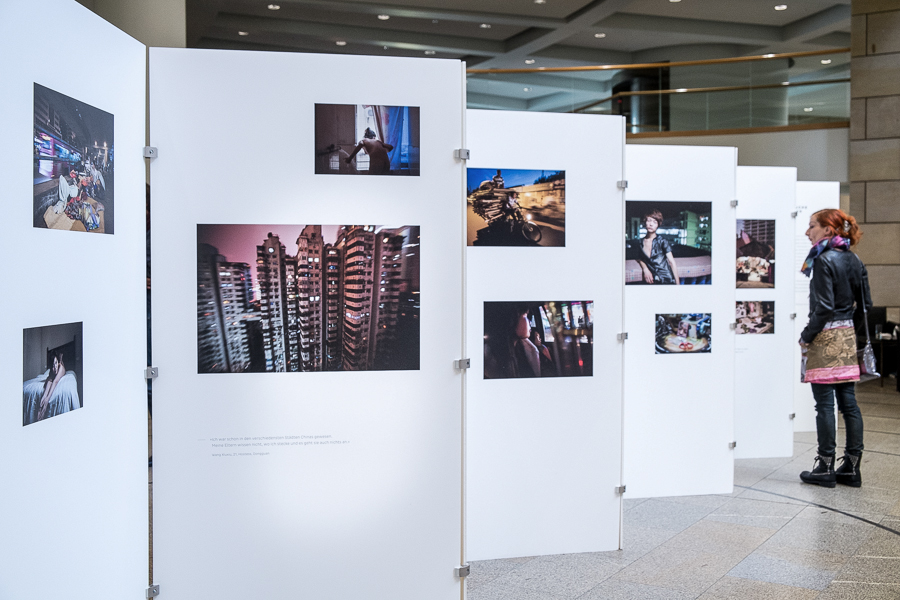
785, 83
808, 109
599, 35
674, 0
825, 61
341, 43
384, 17
243, 33
430, 52
529, 61
526, 89
274, 7
435, 21
681, 90
781, 7
485, 26
540, 1
768, 55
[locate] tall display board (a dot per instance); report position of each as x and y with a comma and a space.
765, 341
544, 309
812, 196
73, 335
679, 304
307, 314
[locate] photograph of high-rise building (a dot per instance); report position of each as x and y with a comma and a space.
288, 298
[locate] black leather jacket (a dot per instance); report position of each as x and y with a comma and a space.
839, 279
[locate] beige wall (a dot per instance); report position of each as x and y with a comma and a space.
875, 143
152, 22
818, 154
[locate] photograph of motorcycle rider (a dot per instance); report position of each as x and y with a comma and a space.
655, 257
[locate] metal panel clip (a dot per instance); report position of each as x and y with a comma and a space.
461, 153
734, 203
151, 152
151, 372
732, 445
620, 489
153, 591
622, 336
622, 185
462, 571
462, 364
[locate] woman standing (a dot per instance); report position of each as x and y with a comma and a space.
839, 287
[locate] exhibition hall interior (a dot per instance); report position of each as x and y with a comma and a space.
492, 300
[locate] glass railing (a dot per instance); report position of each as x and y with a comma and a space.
795, 90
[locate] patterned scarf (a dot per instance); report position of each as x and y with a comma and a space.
836, 242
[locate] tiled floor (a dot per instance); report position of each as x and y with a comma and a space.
774, 538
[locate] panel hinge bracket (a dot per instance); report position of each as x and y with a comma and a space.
734, 203
462, 364
732, 445
462, 571
622, 184
153, 591
151, 152
794, 214
622, 336
620, 489
462, 153
792, 416
151, 372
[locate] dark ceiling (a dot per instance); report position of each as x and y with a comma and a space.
506, 33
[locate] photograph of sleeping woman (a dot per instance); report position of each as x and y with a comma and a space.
668, 243
51, 371
538, 339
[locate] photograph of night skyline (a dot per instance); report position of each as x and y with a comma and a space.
290, 298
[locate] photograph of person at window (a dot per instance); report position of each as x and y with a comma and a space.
538, 339
668, 242
656, 260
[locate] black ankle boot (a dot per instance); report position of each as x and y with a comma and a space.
847, 472
822, 473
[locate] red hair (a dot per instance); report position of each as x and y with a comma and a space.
840, 224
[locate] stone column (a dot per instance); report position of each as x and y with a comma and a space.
875, 144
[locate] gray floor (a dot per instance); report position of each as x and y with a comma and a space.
773, 538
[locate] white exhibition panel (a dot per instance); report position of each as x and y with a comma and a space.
679, 410
235, 132
763, 363
812, 196
544, 454
74, 517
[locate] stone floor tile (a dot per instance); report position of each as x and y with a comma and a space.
562, 575
747, 476
629, 503
719, 538
736, 588
773, 570
711, 501
625, 590
815, 559
821, 535
484, 571
502, 591
638, 541
849, 590
881, 542
665, 515
684, 570
756, 513
871, 569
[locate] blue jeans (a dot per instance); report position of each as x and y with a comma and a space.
824, 394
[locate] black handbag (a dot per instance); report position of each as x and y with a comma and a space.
865, 356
